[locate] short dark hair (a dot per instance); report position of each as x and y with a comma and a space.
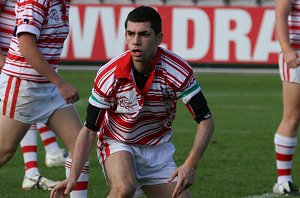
145, 14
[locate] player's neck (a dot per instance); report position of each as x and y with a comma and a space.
142, 68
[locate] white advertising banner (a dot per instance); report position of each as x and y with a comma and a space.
238, 35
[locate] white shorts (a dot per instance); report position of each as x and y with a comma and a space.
153, 164
286, 73
27, 101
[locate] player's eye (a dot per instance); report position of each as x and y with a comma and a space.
131, 34
145, 34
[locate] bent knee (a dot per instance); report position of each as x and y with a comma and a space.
5, 156
123, 190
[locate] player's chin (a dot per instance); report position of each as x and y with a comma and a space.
137, 58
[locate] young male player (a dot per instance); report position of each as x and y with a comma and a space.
132, 106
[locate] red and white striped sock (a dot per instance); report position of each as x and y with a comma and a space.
29, 150
285, 149
48, 138
80, 190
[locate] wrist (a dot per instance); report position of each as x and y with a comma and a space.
285, 48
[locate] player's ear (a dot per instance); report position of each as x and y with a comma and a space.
125, 34
159, 38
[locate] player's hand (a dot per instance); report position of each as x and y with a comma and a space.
62, 189
68, 92
291, 58
185, 176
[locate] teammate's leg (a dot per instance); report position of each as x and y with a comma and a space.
32, 178
29, 150
285, 139
66, 124
55, 156
11, 134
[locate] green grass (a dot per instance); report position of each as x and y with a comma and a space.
239, 161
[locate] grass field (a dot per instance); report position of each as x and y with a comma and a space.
239, 161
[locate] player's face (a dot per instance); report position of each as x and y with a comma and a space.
142, 41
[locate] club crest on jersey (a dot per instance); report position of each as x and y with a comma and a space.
54, 15
124, 102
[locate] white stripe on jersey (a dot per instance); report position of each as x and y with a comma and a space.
50, 32
136, 117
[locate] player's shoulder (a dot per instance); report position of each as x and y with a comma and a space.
170, 55
106, 73
174, 63
111, 65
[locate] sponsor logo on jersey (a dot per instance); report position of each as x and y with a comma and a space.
24, 115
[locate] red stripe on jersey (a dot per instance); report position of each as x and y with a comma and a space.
295, 45
283, 157
283, 172
31, 164
81, 185
294, 27
15, 97
49, 141
29, 149
8, 87
2, 30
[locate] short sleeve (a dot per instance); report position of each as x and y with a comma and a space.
30, 16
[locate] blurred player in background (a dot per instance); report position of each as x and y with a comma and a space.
32, 92
132, 106
285, 140
54, 154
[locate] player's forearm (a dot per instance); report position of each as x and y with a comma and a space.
204, 133
34, 57
83, 147
283, 8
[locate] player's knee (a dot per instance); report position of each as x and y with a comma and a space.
123, 190
5, 156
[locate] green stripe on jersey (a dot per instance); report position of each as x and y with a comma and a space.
92, 97
184, 94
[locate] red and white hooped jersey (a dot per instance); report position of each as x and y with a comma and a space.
48, 21
7, 23
294, 24
145, 116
